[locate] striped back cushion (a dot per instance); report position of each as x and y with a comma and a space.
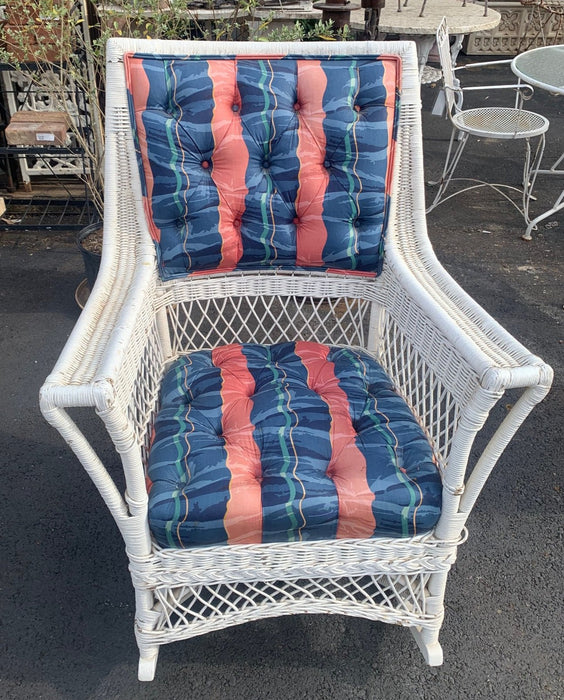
265, 162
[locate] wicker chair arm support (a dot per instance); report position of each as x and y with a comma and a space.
89, 459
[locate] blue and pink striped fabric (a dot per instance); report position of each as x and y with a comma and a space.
261, 162
288, 442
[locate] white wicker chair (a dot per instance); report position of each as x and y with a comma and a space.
486, 122
449, 360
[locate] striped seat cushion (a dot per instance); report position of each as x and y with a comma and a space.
287, 442
265, 162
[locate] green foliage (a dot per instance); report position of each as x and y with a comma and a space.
310, 30
173, 19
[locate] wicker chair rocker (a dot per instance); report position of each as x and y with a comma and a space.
487, 122
293, 399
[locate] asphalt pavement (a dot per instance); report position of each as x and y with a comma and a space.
66, 600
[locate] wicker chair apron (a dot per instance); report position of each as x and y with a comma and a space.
265, 162
287, 442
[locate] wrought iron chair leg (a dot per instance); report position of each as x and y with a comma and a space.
530, 171
558, 206
451, 162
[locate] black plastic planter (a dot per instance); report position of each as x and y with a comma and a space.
90, 258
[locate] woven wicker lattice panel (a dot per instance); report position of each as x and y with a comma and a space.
268, 320
186, 610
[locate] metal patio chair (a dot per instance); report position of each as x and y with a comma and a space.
291, 380
501, 123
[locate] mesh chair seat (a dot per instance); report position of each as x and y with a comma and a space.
501, 122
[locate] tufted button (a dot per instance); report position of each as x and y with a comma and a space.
297, 107
237, 223
357, 108
295, 221
327, 164
235, 108
205, 164
266, 164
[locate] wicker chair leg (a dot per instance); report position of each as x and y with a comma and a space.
148, 663
428, 642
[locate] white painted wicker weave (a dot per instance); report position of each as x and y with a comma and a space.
448, 358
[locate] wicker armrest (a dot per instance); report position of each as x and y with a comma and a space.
93, 352
472, 362
498, 359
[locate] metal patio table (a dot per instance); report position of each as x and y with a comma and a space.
543, 67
